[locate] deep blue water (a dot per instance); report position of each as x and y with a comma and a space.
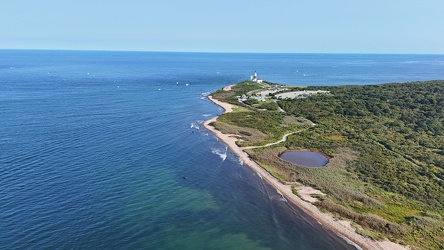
94, 148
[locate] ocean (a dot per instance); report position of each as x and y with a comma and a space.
106, 150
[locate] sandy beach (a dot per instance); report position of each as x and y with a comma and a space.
343, 228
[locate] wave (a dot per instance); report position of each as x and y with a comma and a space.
194, 126
205, 94
282, 196
260, 176
350, 242
225, 154
221, 153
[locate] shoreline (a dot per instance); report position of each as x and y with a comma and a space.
341, 227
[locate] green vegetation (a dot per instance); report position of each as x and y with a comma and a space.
268, 123
397, 128
387, 144
239, 89
269, 105
251, 102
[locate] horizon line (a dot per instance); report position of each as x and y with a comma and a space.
217, 52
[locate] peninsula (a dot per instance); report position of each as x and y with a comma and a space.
382, 188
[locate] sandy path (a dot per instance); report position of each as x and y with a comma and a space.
341, 227
284, 138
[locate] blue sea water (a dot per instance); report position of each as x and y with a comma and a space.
105, 150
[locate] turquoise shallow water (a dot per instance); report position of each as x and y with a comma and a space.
94, 148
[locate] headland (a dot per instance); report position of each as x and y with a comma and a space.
341, 227
382, 187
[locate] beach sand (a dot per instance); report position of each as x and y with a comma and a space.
343, 228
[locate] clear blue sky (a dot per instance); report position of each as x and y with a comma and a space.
317, 26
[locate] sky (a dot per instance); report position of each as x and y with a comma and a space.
282, 26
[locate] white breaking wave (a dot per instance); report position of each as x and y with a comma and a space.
349, 241
220, 153
225, 154
282, 196
260, 176
195, 126
204, 95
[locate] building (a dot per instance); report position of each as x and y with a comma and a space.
255, 79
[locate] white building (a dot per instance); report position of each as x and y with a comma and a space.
254, 78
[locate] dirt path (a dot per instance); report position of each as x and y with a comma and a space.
284, 138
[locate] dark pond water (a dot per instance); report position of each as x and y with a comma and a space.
305, 158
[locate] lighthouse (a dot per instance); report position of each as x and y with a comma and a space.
254, 78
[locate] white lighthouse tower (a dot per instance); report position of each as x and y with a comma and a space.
254, 78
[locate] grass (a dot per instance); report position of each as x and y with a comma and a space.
379, 213
240, 109
276, 172
336, 137
247, 136
395, 212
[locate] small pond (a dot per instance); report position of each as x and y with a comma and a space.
305, 158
